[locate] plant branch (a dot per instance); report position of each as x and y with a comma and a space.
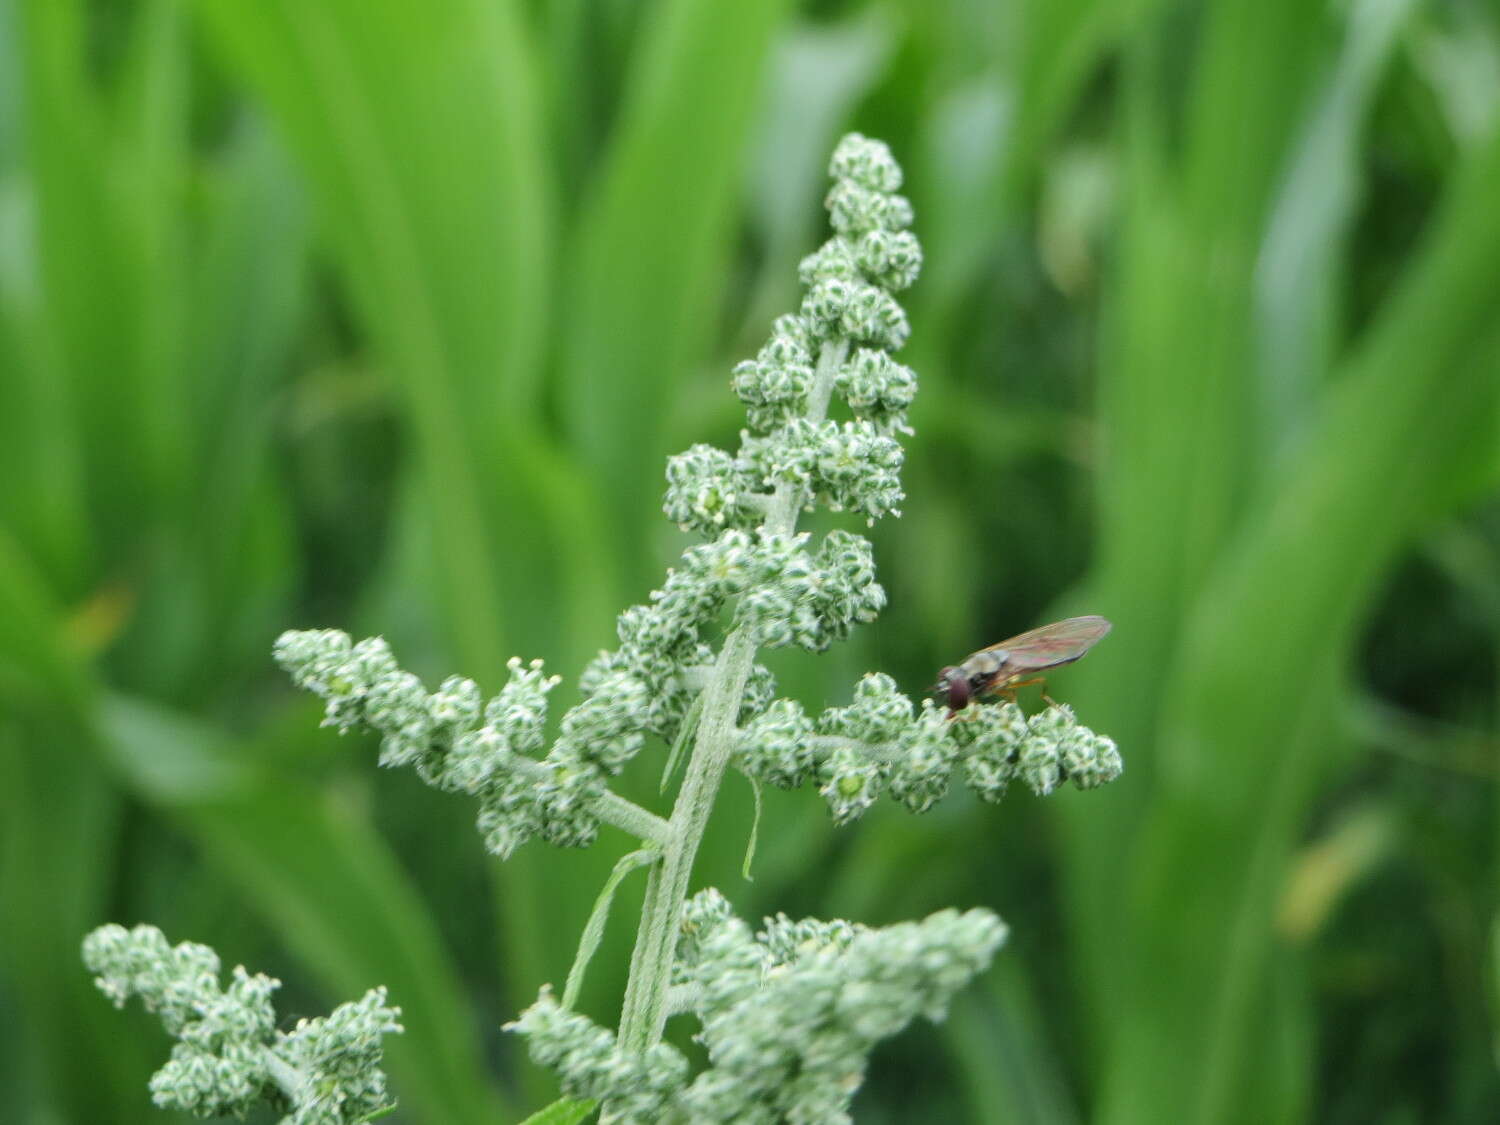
644, 1013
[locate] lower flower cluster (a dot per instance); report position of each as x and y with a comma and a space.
229, 1055
457, 742
788, 1015
882, 743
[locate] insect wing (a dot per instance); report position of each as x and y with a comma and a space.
1049, 646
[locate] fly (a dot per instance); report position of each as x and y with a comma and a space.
1004, 667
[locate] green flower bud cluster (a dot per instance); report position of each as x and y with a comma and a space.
878, 389
774, 385
459, 743
788, 1015
812, 600
853, 465
661, 642
789, 1041
1059, 750
785, 593
229, 1055
639, 1088
881, 743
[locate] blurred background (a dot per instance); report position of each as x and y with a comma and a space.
384, 316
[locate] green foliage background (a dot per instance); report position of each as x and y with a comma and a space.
385, 315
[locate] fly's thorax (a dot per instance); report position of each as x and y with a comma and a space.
983, 665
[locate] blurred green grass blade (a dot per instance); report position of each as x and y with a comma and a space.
564, 1111
418, 130
58, 815
1414, 412
818, 73
648, 255
986, 138
248, 292
249, 289
999, 1038
961, 167
1057, 45
1175, 387
1456, 51
105, 259
1299, 273
330, 886
43, 503
1492, 976
148, 117
38, 669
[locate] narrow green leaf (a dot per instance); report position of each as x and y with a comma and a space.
106, 271
999, 1039
1202, 170
754, 831
1412, 414
818, 73
446, 250
588, 944
1297, 278
58, 815
679, 744
418, 130
649, 252
564, 1111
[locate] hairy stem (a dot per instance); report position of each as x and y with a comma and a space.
630, 817
609, 807
646, 1009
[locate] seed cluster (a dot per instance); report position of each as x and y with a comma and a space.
881, 743
229, 1054
789, 1015
851, 465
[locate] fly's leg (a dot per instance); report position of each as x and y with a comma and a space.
1009, 690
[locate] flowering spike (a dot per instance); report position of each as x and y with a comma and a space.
229, 1054
789, 1015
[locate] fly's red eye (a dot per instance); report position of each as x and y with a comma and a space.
958, 693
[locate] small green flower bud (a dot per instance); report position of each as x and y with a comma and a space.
508, 815
866, 162
607, 728
760, 692
854, 210
707, 491
920, 773
994, 734
859, 468
776, 747
878, 388
880, 712
889, 258
833, 261
456, 706
519, 712
638, 1088
787, 1040
1039, 764
851, 784
871, 315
